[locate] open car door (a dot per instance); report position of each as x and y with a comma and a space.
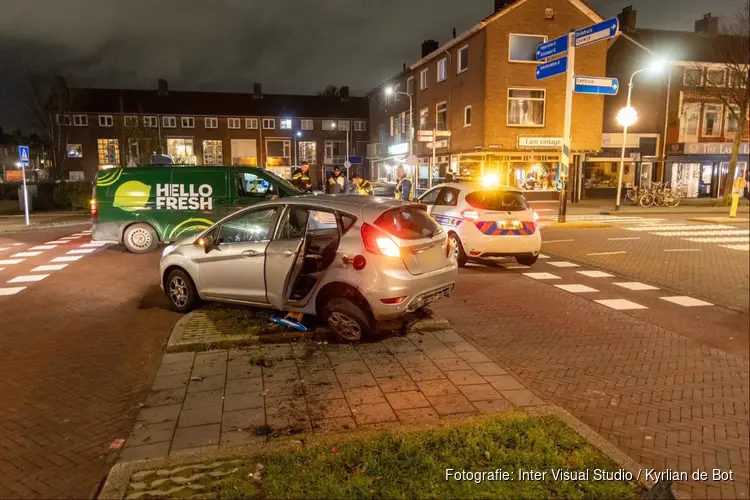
285, 254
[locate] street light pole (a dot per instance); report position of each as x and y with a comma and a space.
624, 142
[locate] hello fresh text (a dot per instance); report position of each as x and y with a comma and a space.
184, 197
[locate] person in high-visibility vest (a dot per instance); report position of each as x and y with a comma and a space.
301, 180
363, 185
405, 186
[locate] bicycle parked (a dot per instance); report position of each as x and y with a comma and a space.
657, 194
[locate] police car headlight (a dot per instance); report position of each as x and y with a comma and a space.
169, 249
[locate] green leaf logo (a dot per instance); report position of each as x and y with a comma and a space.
132, 196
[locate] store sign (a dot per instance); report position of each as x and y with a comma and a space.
540, 142
700, 97
714, 148
398, 149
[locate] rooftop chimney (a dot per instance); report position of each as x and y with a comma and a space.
708, 26
404, 66
454, 32
501, 4
627, 19
429, 46
257, 91
344, 92
163, 90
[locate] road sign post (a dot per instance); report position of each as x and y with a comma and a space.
596, 85
552, 48
565, 157
23, 157
552, 68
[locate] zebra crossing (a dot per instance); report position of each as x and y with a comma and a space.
729, 237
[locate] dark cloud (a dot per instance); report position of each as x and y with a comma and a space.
294, 46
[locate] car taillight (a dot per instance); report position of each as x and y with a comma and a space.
536, 216
94, 210
394, 300
377, 242
471, 215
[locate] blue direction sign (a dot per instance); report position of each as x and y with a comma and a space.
552, 48
596, 85
552, 68
597, 32
23, 154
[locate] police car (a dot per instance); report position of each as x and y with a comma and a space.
485, 221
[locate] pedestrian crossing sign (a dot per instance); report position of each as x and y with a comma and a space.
23, 154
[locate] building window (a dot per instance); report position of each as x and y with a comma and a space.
410, 85
689, 122
233, 123
467, 116
739, 79
423, 79
109, 151
150, 122
168, 121
278, 152
712, 120
187, 122
343, 125
731, 123
80, 120
131, 121
134, 151
75, 151
522, 48
104, 120
526, 107
424, 116
693, 77
394, 126
360, 125
211, 122
269, 123
308, 151
251, 123
64, 120
306, 124
244, 152
716, 77
329, 124
76, 175
463, 59
181, 149
442, 69
213, 152
441, 115
285, 124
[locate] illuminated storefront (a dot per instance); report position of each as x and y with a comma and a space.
699, 170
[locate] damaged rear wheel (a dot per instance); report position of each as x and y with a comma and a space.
347, 320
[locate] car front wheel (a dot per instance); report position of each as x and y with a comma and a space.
527, 260
348, 320
181, 292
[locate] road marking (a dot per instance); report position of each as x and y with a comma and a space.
636, 286
8, 262
1, 268
721, 232
44, 247
542, 256
4, 249
16, 244
607, 253
686, 301
88, 231
596, 274
80, 250
620, 304
542, 276
731, 239
69, 258
625, 239
737, 247
79, 234
678, 227
94, 244
556, 241
563, 264
28, 278
11, 291
26, 254
57, 242
509, 266
683, 250
577, 288
50, 267
71, 237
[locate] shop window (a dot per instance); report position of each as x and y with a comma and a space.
712, 120
181, 149
522, 48
526, 107
213, 152
244, 152
278, 152
109, 151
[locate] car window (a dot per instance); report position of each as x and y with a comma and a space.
252, 186
408, 223
293, 224
255, 225
448, 197
347, 221
430, 197
506, 201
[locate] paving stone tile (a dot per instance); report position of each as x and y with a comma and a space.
285, 404
203, 399
168, 369
450, 364
296, 422
474, 357
159, 414
275, 375
201, 415
438, 387
239, 438
196, 450
425, 372
166, 397
242, 419
479, 392
364, 395
178, 357
399, 344
143, 434
396, 384
239, 386
277, 388
276, 352
522, 397
437, 353
211, 357
170, 382
344, 367
243, 401
392, 368
323, 391
373, 413
147, 451
413, 359
417, 415
317, 376
504, 382
407, 400
498, 405
334, 424
448, 336
451, 403
207, 369
371, 348
354, 380
488, 369
210, 383
332, 408
243, 370
191, 437
464, 377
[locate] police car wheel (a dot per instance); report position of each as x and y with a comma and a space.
527, 260
140, 238
459, 249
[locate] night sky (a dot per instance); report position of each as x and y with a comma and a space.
290, 46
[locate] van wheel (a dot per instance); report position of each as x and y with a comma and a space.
140, 238
347, 320
181, 292
527, 260
459, 249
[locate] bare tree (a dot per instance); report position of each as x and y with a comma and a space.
329, 91
731, 89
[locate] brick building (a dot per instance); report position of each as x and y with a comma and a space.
684, 131
110, 127
481, 86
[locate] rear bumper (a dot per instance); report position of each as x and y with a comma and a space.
481, 246
106, 231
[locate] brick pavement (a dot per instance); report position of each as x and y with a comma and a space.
206, 401
662, 398
76, 351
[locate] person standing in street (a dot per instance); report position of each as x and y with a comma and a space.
301, 179
336, 182
364, 187
405, 186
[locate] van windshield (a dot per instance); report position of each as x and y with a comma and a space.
281, 181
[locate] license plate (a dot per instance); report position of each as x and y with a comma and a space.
512, 224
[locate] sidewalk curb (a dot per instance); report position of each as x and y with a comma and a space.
34, 227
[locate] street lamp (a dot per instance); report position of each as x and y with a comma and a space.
298, 134
389, 91
626, 117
